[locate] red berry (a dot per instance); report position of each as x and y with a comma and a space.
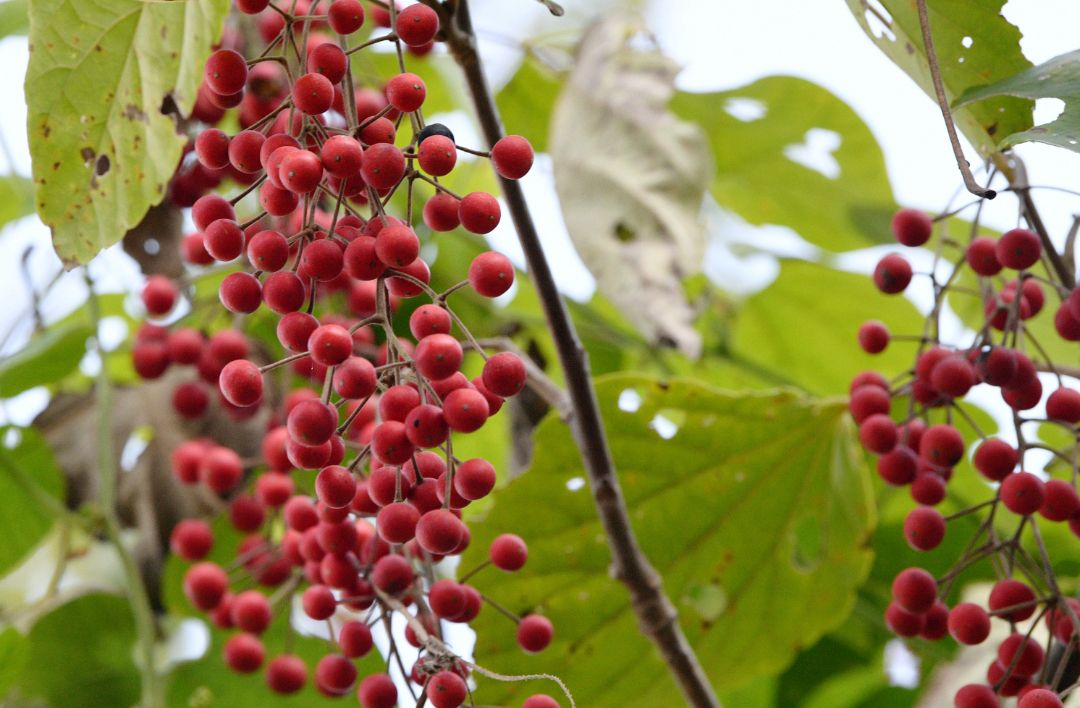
447, 599
240, 293
335, 675
1022, 493
873, 337
465, 410
976, 695
313, 94
384, 166
1010, 593
924, 528
915, 590
441, 212
969, 623
942, 445
346, 16
1018, 249
995, 459
355, 640
534, 633
437, 155
342, 156
205, 584
329, 60
397, 521
191, 539
417, 25
223, 240
241, 383
330, 344
301, 170
504, 374
251, 612
268, 251
377, 691
286, 674
479, 212
512, 156
446, 689
892, 274
159, 295
491, 274
284, 293
397, 246
355, 378
312, 422
335, 486
440, 532
212, 148
878, 433
1031, 654
392, 574
1040, 698
508, 552
912, 227
322, 260
902, 622
226, 72
438, 356
899, 466
540, 700
221, 470
1064, 405
244, 653
981, 255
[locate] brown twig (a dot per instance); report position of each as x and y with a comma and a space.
946, 114
656, 615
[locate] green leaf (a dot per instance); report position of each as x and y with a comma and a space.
14, 17
16, 193
99, 77
975, 45
13, 650
46, 359
526, 101
28, 478
758, 506
759, 132
1057, 78
803, 327
80, 654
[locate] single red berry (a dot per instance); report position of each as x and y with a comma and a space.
335, 675
924, 528
329, 60
878, 433
346, 16
240, 293
384, 166
504, 374
226, 72
1022, 493
438, 356
1040, 698
935, 622
301, 170
342, 156
159, 295
976, 695
995, 459
241, 383
322, 260
915, 590
902, 622
330, 344
191, 539
447, 599
969, 623
396, 522
1060, 501
286, 674
912, 227
1011, 593
377, 691
446, 689
437, 155
355, 378
205, 584
244, 150
251, 612
417, 25
892, 274
212, 148
244, 653
512, 156
1064, 405
508, 552
284, 293
221, 469
534, 633
942, 445
479, 212
441, 212
313, 94
981, 255
465, 410
223, 240
439, 531
1018, 249
312, 422
397, 246
392, 574
268, 251
491, 274
355, 640
1029, 651
873, 337
390, 443
540, 700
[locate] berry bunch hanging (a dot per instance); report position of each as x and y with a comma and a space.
323, 158
913, 423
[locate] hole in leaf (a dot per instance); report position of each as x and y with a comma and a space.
575, 483
135, 446
745, 109
663, 424
12, 438
816, 151
102, 165
629, 400
879, 21
967, 42
901, 665
112, 331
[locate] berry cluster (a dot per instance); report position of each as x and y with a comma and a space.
910, 423
324, 157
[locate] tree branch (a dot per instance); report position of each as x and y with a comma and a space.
943, 103
656, 615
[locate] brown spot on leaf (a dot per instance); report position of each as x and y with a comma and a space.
55, 166
133, 112
87, 155
102, 165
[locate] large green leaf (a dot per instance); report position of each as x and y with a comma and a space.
80, 654
526, 102
764, 137
99, 77
13, 652
46, 359
975, 45
28, 474
803, 327
1057, 78
755, 508
14, 18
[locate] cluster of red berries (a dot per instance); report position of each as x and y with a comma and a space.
326, 257
894, 424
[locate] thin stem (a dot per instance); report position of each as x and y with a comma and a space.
655, 613
145, 623
943, 103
